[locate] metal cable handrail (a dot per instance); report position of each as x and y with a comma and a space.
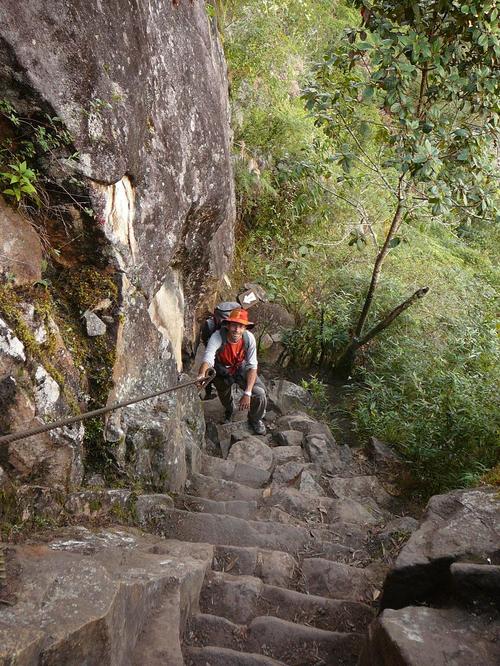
13, 437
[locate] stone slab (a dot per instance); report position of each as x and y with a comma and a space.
338, 581
305, 424
252, 451
460, 526
359, 488
328, 455
477, 584
415, 636
284, 454
289, 437
86, 597
284, 396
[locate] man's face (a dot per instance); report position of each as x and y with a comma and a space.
235, 331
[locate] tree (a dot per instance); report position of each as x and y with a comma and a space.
430, 69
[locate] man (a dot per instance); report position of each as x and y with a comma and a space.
232, 351
212, 324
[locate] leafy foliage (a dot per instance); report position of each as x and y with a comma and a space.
314, 206
28, 143
431, 75
20, 178
431, 69
441, 411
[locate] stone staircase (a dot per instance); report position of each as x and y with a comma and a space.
293, 577
276, 553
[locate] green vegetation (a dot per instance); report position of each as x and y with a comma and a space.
10, 514
20, 178
315, 208
79, 289
64, 301
428, 70
24, 142
30, 145
75, 277
322, 408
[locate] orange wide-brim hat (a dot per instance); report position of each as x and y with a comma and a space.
239, 316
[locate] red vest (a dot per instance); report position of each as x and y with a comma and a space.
232, 355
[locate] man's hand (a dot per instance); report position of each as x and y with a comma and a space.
202, 375
244, 402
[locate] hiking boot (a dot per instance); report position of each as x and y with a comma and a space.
258, 427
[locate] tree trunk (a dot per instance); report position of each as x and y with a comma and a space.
377, 268
393, 229
345, 362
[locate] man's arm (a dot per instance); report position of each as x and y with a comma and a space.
202, 372
213, 345
251, 379
245, 398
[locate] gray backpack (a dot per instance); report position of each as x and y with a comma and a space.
214, 322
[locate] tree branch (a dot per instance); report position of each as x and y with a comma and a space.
371, 165
421, 94
345, 360
420, 293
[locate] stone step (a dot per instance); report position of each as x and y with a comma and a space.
228, 433
209, 629
271, 566
254, 451
94, 597
285, 454
217, 656
232, 531
298, 645
229, 470
439, 636
290, 643
341, 581
310, 513
220, 490
243, 598
361, 488
321, 509
239, 508
316, 576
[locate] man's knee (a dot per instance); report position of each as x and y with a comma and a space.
259, 392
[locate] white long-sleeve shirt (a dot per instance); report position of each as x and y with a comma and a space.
215, 342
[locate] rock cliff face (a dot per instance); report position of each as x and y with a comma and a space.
141, 88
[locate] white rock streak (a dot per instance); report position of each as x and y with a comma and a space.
119, 214
9, 344
167, 314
